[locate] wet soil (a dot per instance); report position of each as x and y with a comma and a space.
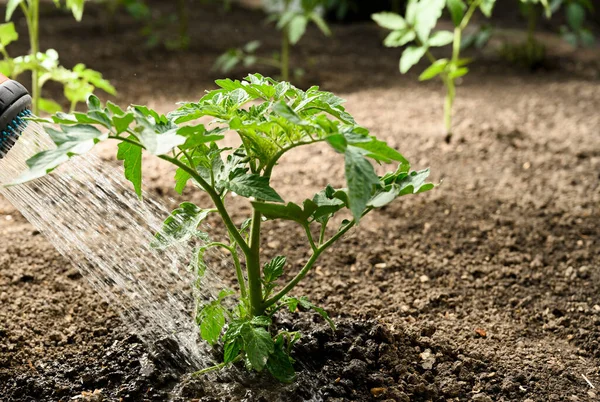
486, 289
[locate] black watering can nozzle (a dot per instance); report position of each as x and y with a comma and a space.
15, 105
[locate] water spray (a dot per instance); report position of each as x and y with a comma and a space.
15, 106
90, 213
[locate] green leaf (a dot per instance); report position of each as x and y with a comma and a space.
232, 349
428, 12
487, 6
212, 320
71, 141
434, 70
575, 16
253, 185
181, 225
441, 38
280, 365
410, 57
76, 7
49, 106
293, 303
399, 38
160, 144
459, 72
11, 6
258, 346
297, 28
361, 178
197, 135
131, 155
8, 34
274, 269
282, 109
290, 211
320, 23
122, 122
388, 20
457, 10
261, 321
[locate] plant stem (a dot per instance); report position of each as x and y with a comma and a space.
531, 26
32, 16
253, 267
307, 267
217, 367
184, 23
231, 228
236, 262
310, 237
285, 55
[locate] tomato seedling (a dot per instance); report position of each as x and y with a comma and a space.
44, 66
417, 28
270, 118
292, 18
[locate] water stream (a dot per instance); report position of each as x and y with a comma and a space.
91, 214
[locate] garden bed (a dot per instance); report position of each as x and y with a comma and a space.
486, 289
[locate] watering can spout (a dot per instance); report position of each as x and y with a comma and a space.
15, 106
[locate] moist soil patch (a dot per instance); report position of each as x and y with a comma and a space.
486, 289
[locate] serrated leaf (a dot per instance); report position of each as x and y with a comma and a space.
273, 269
290, 211
8, 34
410, 57
361, 178
487, 6
388, 20
11, 6
70, 141
457, 10
399, 38
280, 365
131, 155
212, 320
434, 70
428, 13
253, 185
441, 38
160, 144
181, 225
232, 349
258, 346
296, 28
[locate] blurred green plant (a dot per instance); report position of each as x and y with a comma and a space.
531, 53
78, 83
292, 18
417, 28
157, 27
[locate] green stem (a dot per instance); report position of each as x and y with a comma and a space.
253, 267
322, 233
231, 228
310, 237
308, 266
531, 26
217, 367
285, 55
184, 23
236, 262
32, 15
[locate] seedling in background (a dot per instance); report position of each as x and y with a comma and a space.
416, 28
292, 18
270, 118
78, 83
575, 32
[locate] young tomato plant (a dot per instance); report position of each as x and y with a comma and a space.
291, 18
270, 118
78, 83
417, 26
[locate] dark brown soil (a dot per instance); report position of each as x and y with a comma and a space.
486, 289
